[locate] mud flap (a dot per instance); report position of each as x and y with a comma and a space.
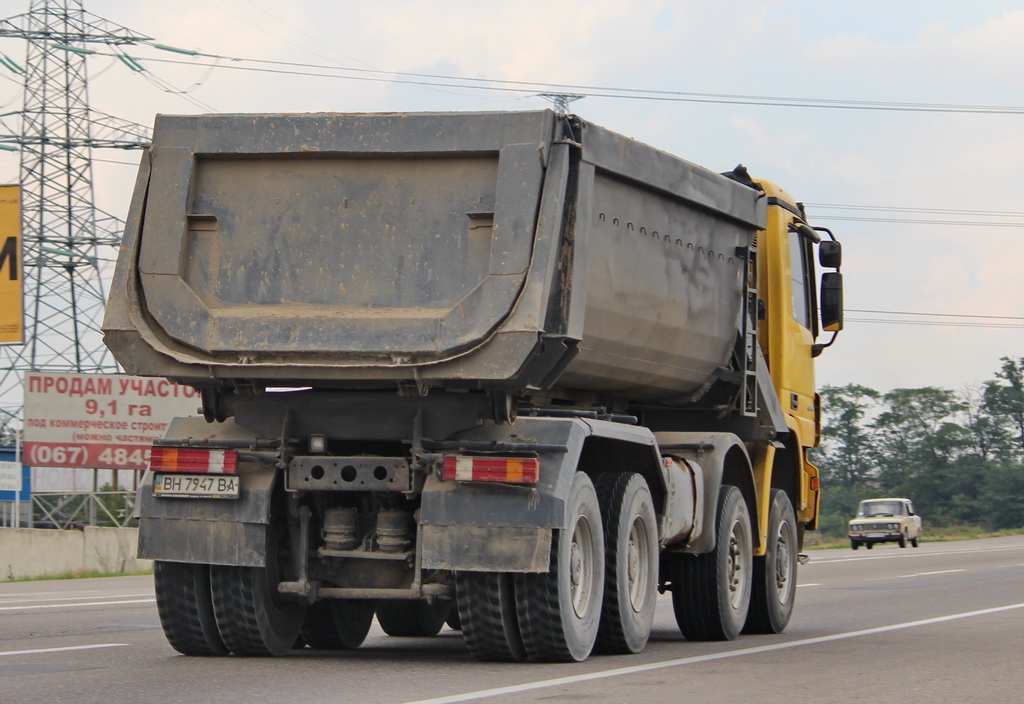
209, 531
486, 548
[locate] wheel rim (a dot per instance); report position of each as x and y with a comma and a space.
581, 566
637, 567
783, 564
736, 572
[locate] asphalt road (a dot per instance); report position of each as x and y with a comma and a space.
941, 623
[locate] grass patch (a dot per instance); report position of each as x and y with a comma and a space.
814, 541
75, 574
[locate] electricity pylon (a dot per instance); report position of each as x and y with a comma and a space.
68, 244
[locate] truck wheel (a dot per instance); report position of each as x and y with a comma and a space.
854, 544
560, 611
869, 545
252, 616
915, 541
337, 624
487, 614
412, 618
773, 590
186, 608
631, 563
903, 540
711, 592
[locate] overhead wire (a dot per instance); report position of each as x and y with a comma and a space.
1007, 216
932, 319
910, 221
905, 209
930, 323
164, 85
535, 87
532, 87
946, 315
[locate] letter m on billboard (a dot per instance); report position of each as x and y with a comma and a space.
12, 316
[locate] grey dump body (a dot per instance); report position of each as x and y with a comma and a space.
361, 296
500, 251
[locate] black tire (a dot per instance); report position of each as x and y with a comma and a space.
631, 563
487, 613
337, 624
560, 611
903, 540
186, 608
773, 591
854, 544
869, 545
410, 618
711, 592
253, 618
915, 541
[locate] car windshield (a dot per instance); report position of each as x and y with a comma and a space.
881, 508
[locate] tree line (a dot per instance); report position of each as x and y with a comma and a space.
958, 454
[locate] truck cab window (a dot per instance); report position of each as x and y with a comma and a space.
798, 278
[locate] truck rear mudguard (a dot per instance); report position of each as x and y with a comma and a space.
464, 525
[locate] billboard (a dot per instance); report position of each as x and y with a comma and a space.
101, 421
12, 323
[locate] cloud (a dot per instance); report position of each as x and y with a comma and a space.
914, 50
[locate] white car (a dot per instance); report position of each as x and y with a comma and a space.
885, 521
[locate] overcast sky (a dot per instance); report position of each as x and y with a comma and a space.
890, 164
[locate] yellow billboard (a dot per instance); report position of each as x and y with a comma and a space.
12, 315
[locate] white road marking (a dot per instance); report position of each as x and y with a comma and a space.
812, 584
26, 598
908, 576
81, 593
69, 606
63, 650
907, 554
618, 672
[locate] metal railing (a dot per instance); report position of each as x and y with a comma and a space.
73, 510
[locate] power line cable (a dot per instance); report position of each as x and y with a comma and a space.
944, 315
534, 87
899, 209
307, 36
163, 85
935, 323
910, 221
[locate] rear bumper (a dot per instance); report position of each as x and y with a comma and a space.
877, 536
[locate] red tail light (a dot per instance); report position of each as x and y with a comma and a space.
510, 470
195, 460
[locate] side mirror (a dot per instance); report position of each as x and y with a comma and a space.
832, 301
830, 254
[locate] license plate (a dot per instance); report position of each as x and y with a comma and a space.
192, 486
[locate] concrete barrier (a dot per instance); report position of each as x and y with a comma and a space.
27, 553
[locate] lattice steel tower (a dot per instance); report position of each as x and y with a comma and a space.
68, 244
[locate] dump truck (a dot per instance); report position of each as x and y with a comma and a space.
509, 371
